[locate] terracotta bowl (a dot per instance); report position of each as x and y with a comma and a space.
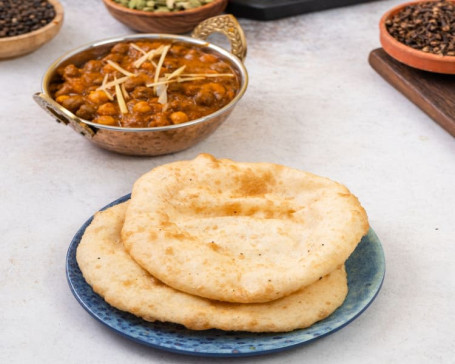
410, 56
161, 22
11, 47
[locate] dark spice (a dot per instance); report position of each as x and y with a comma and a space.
23, 16
426, 26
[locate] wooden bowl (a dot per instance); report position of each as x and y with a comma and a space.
410, 56
161, 22
11, 47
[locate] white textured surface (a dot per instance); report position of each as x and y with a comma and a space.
313, 103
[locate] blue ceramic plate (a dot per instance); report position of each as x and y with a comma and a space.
365, 268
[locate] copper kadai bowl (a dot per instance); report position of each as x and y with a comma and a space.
156, 140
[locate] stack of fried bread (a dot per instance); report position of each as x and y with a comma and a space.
212, 243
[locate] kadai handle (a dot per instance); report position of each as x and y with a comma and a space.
227, 25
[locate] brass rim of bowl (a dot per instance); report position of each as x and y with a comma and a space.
240, 66
414, 53
124, 9
54, 22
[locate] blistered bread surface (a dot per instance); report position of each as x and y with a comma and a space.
240, 232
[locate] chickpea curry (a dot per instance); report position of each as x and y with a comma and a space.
147, 84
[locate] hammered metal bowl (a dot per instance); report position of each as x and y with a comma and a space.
157, 140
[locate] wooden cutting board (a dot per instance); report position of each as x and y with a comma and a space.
432, 92
274, 9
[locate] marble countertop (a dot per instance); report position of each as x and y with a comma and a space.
313, 103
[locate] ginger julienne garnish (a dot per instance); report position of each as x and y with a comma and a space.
147, 84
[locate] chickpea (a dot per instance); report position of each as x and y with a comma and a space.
93, 65
93, 78
109, 69
175, 87
220, 67
86, 112
77, 84
98, 97
142, 107
65, 89
179, 117
209, 92
107, 109
189, 89
105, 120
160, 120
204, 98
208, 58
72, 103
114, 57
71, 71
217, 89
142, 92
177, 50
180, 105
155, 105
133, 82
121, 48
148, 66
61, 98
191, 54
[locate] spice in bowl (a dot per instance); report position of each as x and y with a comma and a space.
162, 5
426, 26
24, 16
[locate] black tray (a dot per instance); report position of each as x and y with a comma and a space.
274, 9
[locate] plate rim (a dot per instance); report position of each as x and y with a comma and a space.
76, 240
